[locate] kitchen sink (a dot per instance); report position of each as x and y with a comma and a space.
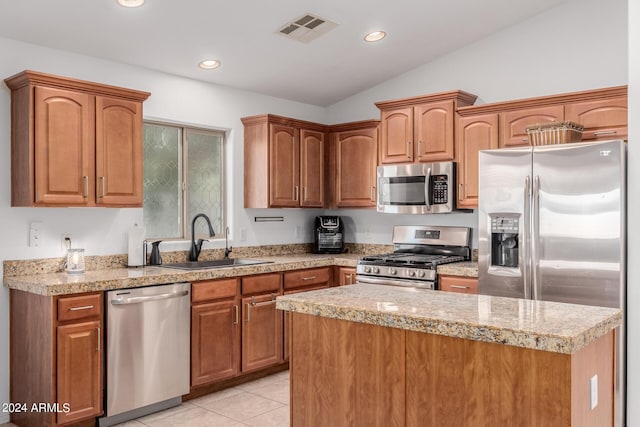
216, 263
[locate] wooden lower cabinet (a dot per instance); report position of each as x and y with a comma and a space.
360, 374
56, 347
79, 356
460, 284
261, 322
215, 330
345, 276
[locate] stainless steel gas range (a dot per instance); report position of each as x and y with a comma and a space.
417, 251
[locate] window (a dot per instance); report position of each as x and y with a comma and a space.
183, 176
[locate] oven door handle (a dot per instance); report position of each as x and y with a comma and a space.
422, 284
427, 189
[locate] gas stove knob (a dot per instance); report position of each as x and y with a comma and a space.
421, 273
376, 270
367, 269
393, 271
412, 273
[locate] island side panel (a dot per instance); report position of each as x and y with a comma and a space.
345, 373
456, 382
598, 358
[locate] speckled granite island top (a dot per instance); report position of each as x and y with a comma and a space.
51, 284
538, 325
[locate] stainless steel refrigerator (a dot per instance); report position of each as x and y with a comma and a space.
552, 227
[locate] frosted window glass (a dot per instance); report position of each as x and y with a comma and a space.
204, 181
161, 211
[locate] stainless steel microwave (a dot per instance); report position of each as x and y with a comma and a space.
418, 188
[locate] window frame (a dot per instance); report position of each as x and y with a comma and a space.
183, 170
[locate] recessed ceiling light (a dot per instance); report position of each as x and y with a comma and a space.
375, 36
209, 64
130, 3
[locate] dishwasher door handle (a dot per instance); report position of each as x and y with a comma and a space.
158, 297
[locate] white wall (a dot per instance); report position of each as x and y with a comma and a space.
577, 46
583, 55
633, 213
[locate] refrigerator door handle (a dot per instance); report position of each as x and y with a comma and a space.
427, 189
525, 254
535, 235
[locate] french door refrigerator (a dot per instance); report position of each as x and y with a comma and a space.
552, 227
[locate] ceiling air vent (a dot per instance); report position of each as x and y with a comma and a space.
306, 28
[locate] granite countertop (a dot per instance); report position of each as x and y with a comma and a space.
465, 268
539, 325
51, 284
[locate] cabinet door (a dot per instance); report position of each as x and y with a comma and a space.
346, 275
79, 373
64, 147
356, 163
602, 120
215, 341
284, 166
312, 159
433, 124
473, 133
514, 123
464, 285
118, 152
396, 139
261, 333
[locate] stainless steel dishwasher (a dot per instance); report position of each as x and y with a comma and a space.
148, 350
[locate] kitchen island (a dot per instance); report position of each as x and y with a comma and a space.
377, 355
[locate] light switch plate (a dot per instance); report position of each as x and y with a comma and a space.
35, 234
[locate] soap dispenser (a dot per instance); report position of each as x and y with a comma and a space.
155, 259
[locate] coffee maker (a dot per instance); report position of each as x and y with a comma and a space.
328, 235
505, 231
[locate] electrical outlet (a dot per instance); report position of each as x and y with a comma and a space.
593, 382
243, 234
66, 240
35, 234
299, 232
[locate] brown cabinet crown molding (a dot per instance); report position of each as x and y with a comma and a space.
543, 101
29, 77
285, 121
345, 127
462, 97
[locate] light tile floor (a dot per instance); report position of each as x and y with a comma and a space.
260, 403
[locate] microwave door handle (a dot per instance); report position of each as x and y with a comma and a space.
427, 186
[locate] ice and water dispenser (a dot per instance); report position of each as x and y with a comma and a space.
505, 231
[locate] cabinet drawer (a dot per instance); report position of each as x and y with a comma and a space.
261, 284
79, 307
214, 289
465, 285
308, 277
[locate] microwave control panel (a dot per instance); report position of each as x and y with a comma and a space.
439, 189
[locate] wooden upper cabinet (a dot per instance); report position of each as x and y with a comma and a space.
602, 119
283, 162
420, 129
118, 151
74, 143
354, 148
434, 130
514, 123
396, 129
473, 133
63, 145
284, 170
312, 165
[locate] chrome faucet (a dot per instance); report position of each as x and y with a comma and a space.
227, 248
194, 252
